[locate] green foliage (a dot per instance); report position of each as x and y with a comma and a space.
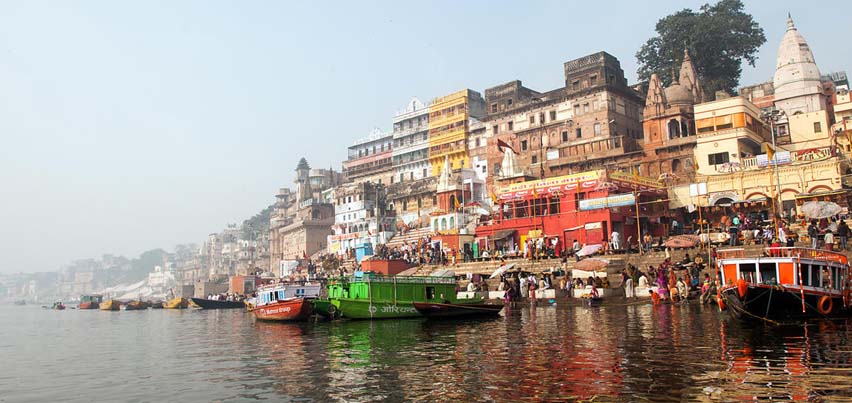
257, 224
719, 37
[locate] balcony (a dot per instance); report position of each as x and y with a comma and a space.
594, 148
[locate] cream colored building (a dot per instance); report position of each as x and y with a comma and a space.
731, 151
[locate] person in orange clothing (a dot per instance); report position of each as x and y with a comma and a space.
655, 298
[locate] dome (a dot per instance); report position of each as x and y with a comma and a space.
678, 94
795, 64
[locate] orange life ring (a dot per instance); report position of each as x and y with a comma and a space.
742, 287
825, 305
721, 303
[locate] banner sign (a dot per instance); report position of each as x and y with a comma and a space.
627, 199
550, 185
642, 181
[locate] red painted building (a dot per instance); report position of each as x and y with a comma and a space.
586, 206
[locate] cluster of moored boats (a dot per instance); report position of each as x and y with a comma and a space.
367, 296
97, 301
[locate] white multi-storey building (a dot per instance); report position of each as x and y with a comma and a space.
411, 142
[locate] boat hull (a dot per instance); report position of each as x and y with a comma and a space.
365, 309
216, 304
325, 308
176, 303
289, 310
778, 304
436, 310
109, 305
136, 306
88, 305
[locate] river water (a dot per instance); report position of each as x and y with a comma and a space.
616, 353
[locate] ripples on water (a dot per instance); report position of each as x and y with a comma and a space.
623, 353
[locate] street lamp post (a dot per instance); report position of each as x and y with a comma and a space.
772, 116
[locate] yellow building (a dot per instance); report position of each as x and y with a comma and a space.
449, 128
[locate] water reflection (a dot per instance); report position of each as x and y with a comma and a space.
625, 353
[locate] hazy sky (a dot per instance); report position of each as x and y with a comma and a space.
127, 126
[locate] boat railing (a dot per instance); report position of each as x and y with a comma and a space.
808, 253
792, 252
730, 253
405, 279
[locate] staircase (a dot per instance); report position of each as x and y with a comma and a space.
408, 237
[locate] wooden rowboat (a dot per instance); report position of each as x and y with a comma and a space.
109, 305
176, 303
216, 304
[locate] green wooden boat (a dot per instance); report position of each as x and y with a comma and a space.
384, 297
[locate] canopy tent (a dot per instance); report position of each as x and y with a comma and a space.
502, 269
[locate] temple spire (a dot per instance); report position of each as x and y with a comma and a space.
790, 24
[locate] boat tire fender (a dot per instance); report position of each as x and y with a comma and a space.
332, 311
825, 305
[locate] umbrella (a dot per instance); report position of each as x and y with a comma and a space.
678, 242
591, 264
589, 250
502, 269
408, 272
820, 209
442, 273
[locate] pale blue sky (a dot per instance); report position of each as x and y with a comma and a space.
127, 126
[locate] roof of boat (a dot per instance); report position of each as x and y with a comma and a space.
793, 253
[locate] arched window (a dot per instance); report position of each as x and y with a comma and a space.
443, 224
435, 224
675, 166
674, 129
452, 223
684, 129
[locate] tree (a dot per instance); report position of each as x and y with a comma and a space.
719, 37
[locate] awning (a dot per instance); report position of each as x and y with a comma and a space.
821, 194
503, 234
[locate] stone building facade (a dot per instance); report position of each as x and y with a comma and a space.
370, 159
449, 128
411, 143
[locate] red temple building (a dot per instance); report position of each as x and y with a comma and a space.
586, 206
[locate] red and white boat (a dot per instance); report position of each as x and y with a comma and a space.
284, 302
785, 283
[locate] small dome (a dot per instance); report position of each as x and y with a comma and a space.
677, 94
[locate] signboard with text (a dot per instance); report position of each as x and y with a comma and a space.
627, 199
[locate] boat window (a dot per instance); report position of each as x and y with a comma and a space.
768, 273
430, 292
748, 272
813, 280
826, 278
836, 282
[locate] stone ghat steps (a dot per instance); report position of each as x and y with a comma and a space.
408, 237
617, 262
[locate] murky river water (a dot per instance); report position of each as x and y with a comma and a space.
624, 353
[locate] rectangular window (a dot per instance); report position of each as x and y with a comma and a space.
718, 158
817, 127
597, 129
494, 108
509, 102
523, 145
532, 119
565, 135
593, 80
552, 115
579, 132
575, 85
401, 177
495, 129
477, 142
511, 125
496, 169
534, 159
576, 110
585, 108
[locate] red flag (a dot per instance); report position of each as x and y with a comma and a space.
502, 144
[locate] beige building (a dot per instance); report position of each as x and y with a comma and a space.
731, 152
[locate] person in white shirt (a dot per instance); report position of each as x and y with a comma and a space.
616, 240
471, 287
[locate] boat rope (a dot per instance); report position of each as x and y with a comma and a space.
769, 301
743, 311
